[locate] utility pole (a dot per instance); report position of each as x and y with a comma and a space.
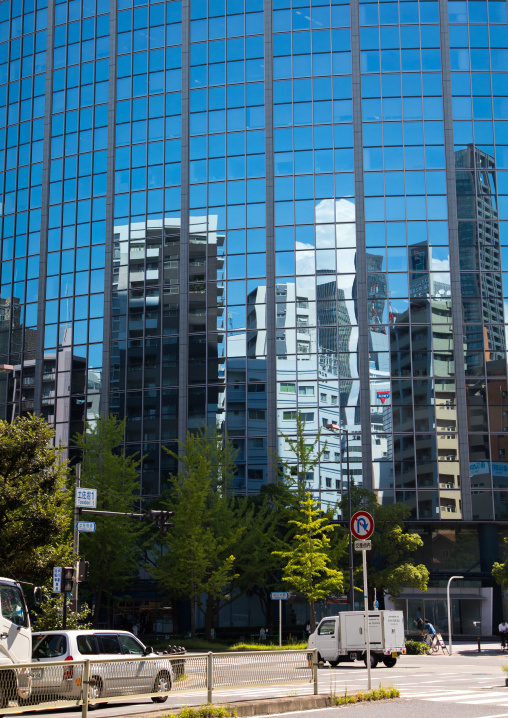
77, 513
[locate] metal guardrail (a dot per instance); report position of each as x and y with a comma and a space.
59, 684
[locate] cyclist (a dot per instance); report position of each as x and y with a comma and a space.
430, 633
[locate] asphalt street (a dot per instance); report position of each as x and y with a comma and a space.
468, 684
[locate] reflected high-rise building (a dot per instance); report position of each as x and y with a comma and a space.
222, 214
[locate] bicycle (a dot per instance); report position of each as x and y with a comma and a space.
432, 642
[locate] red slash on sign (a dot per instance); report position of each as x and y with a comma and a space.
362, 525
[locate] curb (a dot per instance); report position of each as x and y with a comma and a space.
245, 709
281, 705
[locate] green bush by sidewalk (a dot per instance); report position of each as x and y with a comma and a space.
416, 648
207, 711
376, 694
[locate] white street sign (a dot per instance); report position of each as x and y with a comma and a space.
86, 526
57, 579
363, 545
86, 498
279, 595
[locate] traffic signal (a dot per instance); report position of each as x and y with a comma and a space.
161, 519
67, 579
83, 569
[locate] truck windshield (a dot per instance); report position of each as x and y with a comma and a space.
12, 605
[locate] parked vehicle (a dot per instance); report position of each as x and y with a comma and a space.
342, 638
15, 642
121, 677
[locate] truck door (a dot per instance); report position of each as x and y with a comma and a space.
15, 646
327, 640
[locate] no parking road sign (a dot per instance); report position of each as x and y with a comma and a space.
362, 525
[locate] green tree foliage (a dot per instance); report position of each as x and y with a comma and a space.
113, 549
200, 550
34, 512
256, 566
50, 614
500, 570
307, 562
391, 566
306, 456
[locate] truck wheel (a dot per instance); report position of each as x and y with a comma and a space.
373, 660
389, 661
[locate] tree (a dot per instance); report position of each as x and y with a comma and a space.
307, 566
500, 570
50, 614
35, 515
208, 525
112, 550
294, 472
257, 568
391, 566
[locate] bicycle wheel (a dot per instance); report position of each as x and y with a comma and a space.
434, 646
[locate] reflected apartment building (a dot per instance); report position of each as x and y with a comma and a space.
224, 213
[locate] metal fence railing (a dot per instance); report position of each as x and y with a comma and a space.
60, 684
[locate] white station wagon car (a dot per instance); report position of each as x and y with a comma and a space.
107, 678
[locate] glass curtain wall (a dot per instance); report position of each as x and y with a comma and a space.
478, 54
316, 339
23, 43
147, 237
74, 296
411, 360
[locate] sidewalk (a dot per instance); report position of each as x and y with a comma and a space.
466, 648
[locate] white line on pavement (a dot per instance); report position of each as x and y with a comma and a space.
458, 697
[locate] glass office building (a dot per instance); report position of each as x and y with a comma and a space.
228, 212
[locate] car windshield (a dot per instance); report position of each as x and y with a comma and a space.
51, 646
12, 605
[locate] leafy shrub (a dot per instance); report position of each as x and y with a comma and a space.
207, 711
376, 694
416, 648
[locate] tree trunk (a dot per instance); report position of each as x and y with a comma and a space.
174, 616
209, 611
97, 610
312, 618
193, 616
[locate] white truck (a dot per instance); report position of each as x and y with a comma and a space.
15, 643
342, 637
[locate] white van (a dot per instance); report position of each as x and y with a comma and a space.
107, 679
342, 638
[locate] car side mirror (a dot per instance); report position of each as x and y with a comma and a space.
148, 650
38, 595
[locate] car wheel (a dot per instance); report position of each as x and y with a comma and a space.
373, 660
389, 661
94, 692
161, 685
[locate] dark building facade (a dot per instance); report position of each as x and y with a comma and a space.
224, 212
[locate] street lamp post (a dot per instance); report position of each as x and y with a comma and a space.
339, 429
450, 613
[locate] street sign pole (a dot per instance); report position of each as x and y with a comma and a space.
362, 528
280, 596
366, 608
280, 623
77, 511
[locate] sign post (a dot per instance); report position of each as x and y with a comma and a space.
362, 528
280, 596
57, 579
